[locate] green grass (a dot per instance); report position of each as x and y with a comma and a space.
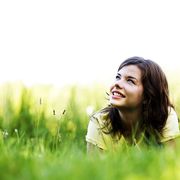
69, 161
42, 136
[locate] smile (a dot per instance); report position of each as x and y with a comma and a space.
118, 94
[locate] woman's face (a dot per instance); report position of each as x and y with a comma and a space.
127, 90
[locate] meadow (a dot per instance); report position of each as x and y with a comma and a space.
42, 136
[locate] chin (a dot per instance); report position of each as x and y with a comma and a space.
114, 104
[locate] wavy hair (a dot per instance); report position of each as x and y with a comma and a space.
155, 102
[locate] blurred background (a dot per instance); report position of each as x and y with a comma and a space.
57, 61
82, 42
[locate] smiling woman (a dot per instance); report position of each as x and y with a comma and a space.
128, 78
139, 110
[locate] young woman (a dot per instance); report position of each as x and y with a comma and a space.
139, 109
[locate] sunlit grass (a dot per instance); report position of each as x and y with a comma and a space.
42, 136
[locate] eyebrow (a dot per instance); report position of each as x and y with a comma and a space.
131, 77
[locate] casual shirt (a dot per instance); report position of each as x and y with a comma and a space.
99, 138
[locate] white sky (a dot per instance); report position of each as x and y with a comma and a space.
75, 41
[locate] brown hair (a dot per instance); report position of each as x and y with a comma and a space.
155, 103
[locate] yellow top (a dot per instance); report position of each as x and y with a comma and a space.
96, 136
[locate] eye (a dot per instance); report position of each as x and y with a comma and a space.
130, 81
118, 77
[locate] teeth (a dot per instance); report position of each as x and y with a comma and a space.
116, 94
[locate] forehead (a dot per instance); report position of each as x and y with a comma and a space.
131, 70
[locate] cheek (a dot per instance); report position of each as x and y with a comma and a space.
137, 93
140, 95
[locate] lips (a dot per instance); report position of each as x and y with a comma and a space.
118, 94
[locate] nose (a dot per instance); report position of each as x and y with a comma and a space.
119, 84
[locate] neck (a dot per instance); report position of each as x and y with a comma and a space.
130, 119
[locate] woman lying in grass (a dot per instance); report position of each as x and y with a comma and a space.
139, 110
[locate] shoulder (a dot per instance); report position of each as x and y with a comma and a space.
172, 112
95, 134
100, 117
171, 128
172, 120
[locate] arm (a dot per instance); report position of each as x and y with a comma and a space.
95, 137
171, 130
171, 143
91, 148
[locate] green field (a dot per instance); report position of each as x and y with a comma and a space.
42, 136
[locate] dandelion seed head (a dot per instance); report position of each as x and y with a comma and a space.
89, 110
5, 133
